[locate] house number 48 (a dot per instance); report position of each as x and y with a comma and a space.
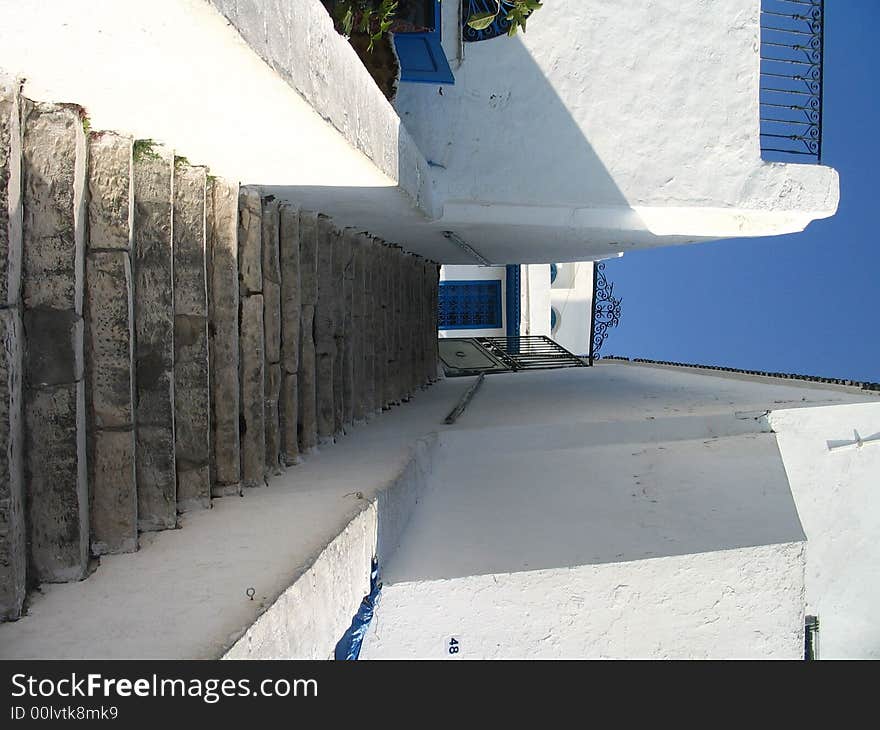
454, 646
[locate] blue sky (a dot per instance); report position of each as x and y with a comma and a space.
806, 303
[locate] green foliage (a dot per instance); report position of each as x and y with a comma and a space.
143, 150
517, 15
367, 17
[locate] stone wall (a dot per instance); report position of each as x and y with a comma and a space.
169, 338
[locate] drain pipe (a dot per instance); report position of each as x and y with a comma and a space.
348, 648
464, 400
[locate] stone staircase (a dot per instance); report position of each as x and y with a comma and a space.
170, 338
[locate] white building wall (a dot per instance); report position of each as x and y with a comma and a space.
628, 510
739, 603
535, 303
836, 492
609, 125
571, 295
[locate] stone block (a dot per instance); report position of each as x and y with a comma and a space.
109, 182
54, 346
10, 192
325, 330
252, 422
57, 484
341, 260
307, 422
271, 264
190, 275
222, 244
13, 555
250, 249
348, 336
156, 478
192, 387
152, 252
414, 331
429, 334
370, 249
290, 288
191, 402
193, 487
110, 383
397, 324
53, 199
389, 376
272, 320
54, 157
380, 296
110, 339
273, 419
289, 411
113, 506
358, 320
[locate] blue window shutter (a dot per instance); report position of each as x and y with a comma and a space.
422, 58
474, 304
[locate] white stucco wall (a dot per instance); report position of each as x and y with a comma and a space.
535, 299
311, 616
608, 125
836, 492
621, 510
571, 295
739, 603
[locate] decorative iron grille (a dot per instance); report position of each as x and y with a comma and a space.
470, 304
531, 352
499, 27
792, 49
473, 355
606, 309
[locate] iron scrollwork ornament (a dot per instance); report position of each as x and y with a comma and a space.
606, 307
500, 26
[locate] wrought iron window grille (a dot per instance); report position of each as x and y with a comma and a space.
792, 55
470, 304
606, 310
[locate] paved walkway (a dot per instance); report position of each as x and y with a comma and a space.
183, 595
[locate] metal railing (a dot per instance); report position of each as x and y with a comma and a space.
792, 50
530, 352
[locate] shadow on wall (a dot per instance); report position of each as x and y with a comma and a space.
496, 506
496, 158
503, 134
501, 138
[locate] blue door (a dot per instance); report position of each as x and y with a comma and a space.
422, 59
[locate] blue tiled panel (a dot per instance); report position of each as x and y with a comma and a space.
470, 304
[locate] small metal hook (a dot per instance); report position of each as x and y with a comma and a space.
251, 593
